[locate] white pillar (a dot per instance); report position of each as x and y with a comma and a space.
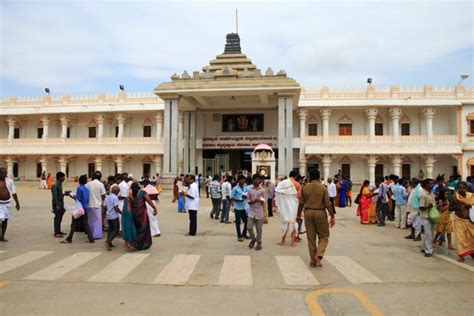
325, 115
98, 163
371, 115
9, 161
64, 120
371, 162
429, 164
121, 123
395, 114
45, 119
159, 125
397, 164
63, 164
158, 164
170, 137
326, 162
302, 166
302, 115
429, 114
100, 118
44, 163
11, 120
180, 142
281, 137
119, 163
289, 133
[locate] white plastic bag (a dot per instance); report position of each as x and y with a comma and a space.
75, 209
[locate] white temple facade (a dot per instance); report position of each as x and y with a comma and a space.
210, 119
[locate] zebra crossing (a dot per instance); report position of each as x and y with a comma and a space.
236, 270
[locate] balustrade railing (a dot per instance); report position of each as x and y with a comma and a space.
451, 139
80, 141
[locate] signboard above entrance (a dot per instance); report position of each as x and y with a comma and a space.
237, 142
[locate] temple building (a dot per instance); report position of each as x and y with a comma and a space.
212, 119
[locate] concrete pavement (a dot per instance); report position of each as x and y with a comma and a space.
214, 274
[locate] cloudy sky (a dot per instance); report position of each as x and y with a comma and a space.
83, 47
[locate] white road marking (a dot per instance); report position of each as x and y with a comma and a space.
236, 270
354, 272
120, 268
294, 271
15, 262
62, 267
459, 264
178, 270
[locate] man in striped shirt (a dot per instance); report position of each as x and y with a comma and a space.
216, 197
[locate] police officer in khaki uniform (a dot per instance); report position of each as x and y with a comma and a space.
315, 202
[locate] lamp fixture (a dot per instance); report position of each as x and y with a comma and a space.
463, 77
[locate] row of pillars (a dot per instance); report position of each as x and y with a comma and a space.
371, 163
65, 122
395, 114
98, 161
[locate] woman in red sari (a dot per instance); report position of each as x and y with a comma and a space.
138, 200
366, 208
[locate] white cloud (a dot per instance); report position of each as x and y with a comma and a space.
69, 45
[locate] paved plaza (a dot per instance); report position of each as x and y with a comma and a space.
214, 274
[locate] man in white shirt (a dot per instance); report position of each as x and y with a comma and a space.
94, 210
121, 179
192, 204
226, 188
332, 192
7, 191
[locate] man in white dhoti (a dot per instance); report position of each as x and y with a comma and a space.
7, 191
287, 195
153, 194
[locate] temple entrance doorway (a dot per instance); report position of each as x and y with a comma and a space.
217, 160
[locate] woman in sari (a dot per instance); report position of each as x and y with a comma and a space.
337, 183
463, 226
129, 232
342, 193
49, 180
366, 208
138, 200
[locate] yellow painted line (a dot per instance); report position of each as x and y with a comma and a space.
5, 283
312, 301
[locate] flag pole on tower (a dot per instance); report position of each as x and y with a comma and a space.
236, 21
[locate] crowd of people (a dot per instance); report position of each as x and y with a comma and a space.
296, 199
432, 208
118, 206
125, 207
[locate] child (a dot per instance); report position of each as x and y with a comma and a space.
113, 211
444, 225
